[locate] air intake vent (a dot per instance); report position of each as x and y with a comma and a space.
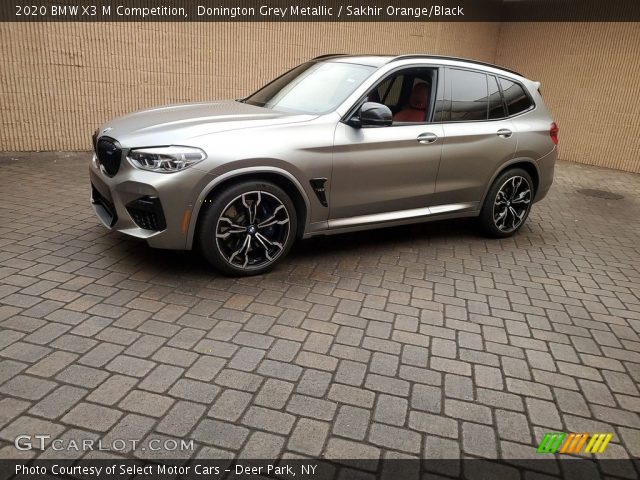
147, 213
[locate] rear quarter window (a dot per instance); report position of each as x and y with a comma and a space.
515, 97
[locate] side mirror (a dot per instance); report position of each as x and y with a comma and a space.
375, 115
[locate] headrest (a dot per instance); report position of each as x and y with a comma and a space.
419, 96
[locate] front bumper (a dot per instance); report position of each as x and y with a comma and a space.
152, 206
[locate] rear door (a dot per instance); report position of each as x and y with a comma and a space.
478, 137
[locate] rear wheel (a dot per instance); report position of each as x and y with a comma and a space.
507, 204
248, 228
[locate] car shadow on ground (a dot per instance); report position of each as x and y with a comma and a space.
328, 249
419, 234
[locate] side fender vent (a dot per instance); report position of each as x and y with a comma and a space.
318, 186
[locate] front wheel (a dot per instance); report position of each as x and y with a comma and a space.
507, 204
248, 228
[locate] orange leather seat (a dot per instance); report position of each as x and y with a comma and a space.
417, 110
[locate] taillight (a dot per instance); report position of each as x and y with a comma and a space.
553, 133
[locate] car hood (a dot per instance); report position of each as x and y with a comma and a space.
177, 124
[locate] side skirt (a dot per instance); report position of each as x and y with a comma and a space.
391, 219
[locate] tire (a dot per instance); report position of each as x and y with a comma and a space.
501, 216
248, 228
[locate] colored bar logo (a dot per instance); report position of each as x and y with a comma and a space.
573, 443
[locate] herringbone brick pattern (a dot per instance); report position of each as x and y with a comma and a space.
425, 341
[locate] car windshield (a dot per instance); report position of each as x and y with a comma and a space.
311, 88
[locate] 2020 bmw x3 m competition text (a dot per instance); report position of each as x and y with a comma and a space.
337, 144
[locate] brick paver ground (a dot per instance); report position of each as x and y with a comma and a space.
425, 340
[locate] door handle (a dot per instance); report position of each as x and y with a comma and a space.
426, 138
504, 133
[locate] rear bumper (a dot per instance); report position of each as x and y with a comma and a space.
546, 168
147, 205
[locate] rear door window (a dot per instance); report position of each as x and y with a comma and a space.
515, 97
469, 95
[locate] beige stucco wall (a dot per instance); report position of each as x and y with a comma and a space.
590, 77
59, 81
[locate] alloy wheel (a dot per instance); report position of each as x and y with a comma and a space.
512, 204
252, 230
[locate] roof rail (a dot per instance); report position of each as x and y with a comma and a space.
460, 59
329, 55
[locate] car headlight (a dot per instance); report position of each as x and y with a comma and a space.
165, 159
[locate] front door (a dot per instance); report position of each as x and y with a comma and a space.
384, 169
388, 169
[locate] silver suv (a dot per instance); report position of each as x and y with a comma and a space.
338, 144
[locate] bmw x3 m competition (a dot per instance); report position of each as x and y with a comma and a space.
338, 144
